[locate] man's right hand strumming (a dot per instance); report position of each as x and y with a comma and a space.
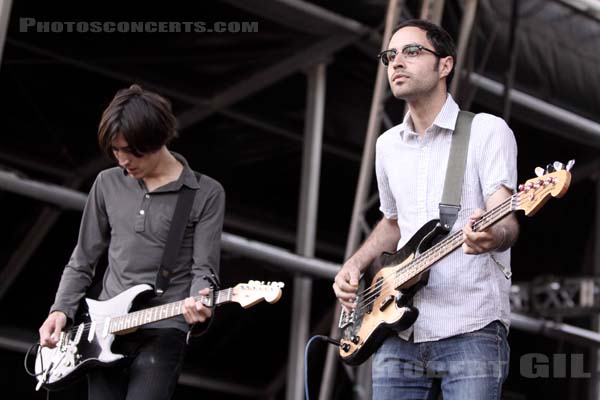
51, 329
384, 237
346, 284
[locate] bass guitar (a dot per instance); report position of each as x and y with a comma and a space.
89, 344
383, 304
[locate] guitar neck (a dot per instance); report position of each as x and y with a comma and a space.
142, 317
425, 260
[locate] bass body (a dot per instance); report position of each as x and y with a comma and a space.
382, 308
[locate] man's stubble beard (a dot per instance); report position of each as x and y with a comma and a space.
416, 88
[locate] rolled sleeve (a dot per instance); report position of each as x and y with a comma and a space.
498, 158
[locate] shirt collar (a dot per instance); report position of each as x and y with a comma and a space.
187, 177
447, 116
445, 119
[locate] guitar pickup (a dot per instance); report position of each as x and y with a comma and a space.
386, 302
79, 333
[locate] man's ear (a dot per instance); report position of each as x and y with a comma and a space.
446, 65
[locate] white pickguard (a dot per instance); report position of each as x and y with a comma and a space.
54, 365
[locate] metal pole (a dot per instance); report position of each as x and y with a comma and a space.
42, 226
5, 6
585, 130
364, 183
59, 195
307, 224
174, 94
62, 196
368, 156
466, 27
594, 388
555, 330
432, 10
512, 50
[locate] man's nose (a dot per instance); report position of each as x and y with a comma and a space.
398, 61
122, 158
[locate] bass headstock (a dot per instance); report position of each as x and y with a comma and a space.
553, 181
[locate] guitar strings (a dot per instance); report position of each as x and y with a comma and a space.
373, 291
87, 325
437, 250
500, 209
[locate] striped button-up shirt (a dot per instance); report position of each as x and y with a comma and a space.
465, 292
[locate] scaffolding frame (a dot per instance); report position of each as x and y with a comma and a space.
338, 32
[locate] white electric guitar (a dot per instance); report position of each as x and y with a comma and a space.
89, 344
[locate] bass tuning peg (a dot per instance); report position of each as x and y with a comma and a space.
539, 171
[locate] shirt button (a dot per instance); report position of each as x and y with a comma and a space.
142, 212
147, 196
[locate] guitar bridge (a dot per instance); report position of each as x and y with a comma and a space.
346, 319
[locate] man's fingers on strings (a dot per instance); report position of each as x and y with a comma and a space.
346, 285
348, 306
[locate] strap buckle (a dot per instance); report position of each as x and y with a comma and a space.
448, 215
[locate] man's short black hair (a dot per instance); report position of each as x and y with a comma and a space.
442, 42
143, 118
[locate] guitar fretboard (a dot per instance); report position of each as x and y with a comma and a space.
426, 259
165, 311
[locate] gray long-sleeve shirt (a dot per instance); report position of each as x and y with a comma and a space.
121, 215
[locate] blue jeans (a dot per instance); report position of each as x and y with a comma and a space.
149, 372
469, 366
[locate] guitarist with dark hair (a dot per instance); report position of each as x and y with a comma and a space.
459, 339
128, 214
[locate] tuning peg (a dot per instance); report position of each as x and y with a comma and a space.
570, 164
558, 166
550, 168
539, 171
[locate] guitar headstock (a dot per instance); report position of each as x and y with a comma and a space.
253, 292
553, 181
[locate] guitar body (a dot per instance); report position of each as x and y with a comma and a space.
74, 356
383, 309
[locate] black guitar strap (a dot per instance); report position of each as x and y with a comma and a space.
455, 172
185, 199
